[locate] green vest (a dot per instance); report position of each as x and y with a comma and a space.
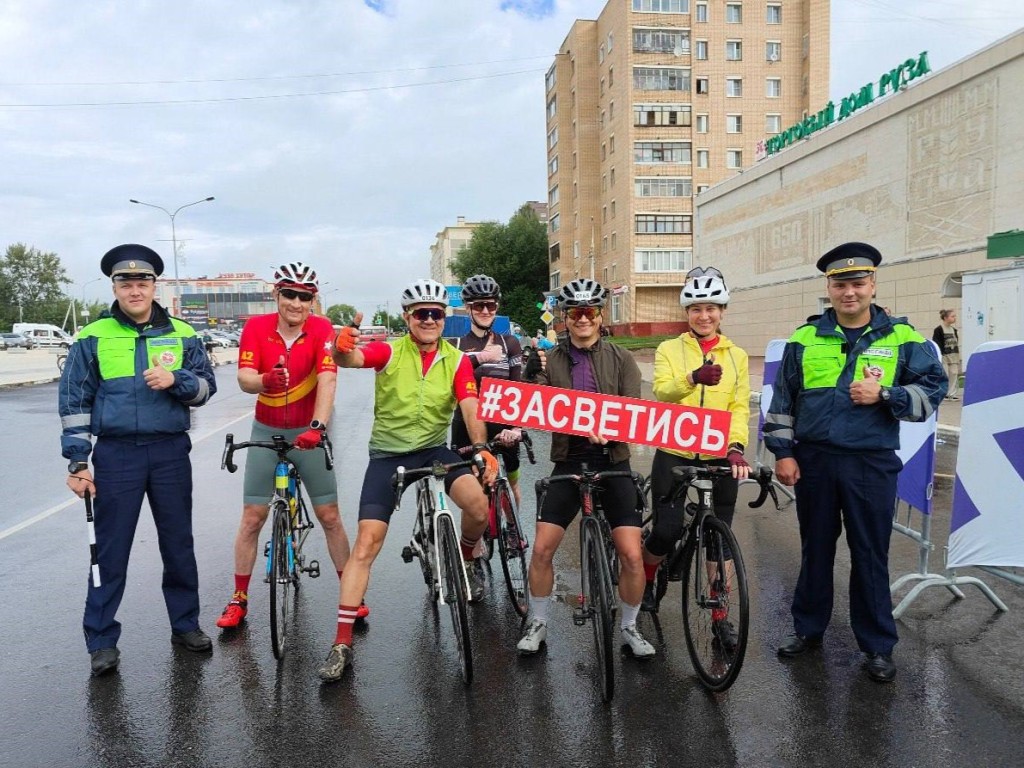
115, 347
824, 357
412, 411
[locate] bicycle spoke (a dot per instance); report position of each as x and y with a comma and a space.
454, 591
280, 580
599, 605
512, 546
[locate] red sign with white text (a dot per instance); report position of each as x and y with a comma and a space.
623, 419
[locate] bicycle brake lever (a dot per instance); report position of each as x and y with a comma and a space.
229, 450
764, 479
528, 443
328, 451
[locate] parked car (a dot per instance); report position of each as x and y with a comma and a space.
216, 339
44, 334
13, 340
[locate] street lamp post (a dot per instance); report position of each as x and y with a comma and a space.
174, 240
85, 310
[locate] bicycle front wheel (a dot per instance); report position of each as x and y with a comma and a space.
599, 600
280, 578
453, 585
715, 604
512, 546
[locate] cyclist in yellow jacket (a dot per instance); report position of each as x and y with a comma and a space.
700, 368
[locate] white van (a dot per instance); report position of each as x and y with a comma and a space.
43, 335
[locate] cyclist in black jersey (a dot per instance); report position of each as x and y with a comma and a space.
497, 355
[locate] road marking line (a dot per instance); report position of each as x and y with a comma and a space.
59, 507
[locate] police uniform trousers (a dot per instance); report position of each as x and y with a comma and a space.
858, 491
124, 473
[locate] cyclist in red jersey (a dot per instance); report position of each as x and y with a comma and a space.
285, 359
420, 378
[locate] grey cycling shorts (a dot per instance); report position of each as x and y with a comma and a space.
258, 487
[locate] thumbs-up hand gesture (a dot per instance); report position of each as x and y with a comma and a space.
867, 390
276, 379
708, 374
348, 336
158, 377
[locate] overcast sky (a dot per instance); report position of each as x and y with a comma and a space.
345, 133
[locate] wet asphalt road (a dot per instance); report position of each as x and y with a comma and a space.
958, 700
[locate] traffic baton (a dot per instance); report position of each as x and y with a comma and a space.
94, 565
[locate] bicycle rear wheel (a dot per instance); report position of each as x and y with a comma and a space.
280, 578
453, 586
512, 546
596, 581
709, 599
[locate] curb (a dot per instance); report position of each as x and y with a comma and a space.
34, 382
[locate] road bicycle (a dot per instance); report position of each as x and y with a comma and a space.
436, 545
62, 358
599, 564
290, 525
507, 530
708, 561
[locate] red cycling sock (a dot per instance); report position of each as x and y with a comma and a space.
346, 618
242, 582
467, 546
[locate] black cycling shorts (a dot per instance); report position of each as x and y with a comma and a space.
377, 499
617, 496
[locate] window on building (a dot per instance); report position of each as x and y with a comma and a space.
574, 129
701, 51
773, 50
604, 244
702, 188
554, 222
661, 152
556, 281
613, 209
552, 107
604, 151
662, 259
703, 158
600, 54
611, 76
615, 242
611, 110
805, 46
601, 89
573, 159
773, 123
553, 166
661, 79
604, 214
774, 14
572, 99
553, 137
612, 176
702, 85
733, 50
773, 87
733, 13
555, 252
575, 190
600, 120
611, 41
611, 144
734, 86
662, 186
702, 123
661, 114
701, 12
549, 79
661, 6
652, 40
734, 123
664, 224
553, 195
734, 158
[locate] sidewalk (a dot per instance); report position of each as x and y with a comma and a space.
949, 411
23, 368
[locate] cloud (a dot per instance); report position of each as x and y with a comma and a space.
375, 5
532, 9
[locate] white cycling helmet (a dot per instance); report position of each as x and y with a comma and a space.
704, 286
298, 274
424, 292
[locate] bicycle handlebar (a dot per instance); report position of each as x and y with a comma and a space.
764, 479
278, 444
493, 445
590, 478
403, 478
684, 477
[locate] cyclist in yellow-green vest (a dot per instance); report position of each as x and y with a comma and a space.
844, 383
129, 381
420, 380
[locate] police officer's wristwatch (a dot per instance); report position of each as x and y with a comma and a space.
318, 425
885, 394
74, 467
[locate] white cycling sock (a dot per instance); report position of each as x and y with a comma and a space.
629, 614
539, 608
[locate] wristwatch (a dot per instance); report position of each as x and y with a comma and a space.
74, 467
317, 424
884, 394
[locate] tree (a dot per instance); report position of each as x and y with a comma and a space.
33, 281
340, 314
514, 254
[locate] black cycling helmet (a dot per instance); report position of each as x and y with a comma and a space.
582, 292
481, 287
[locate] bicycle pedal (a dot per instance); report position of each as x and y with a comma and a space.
407, 554
313, 569
580, 616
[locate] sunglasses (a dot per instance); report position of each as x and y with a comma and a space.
704, 272
424, 313
484, 306
578, 313
302, 296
